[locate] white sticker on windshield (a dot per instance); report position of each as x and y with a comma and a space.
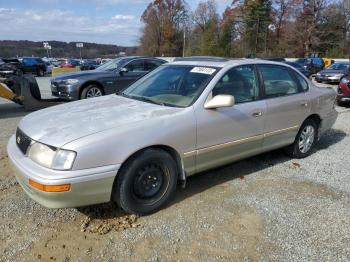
203, 70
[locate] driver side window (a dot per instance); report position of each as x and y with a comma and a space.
240, 82
136, 66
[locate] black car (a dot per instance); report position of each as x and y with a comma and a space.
301, 69
334, 73
113, 76
10, 67
34, 65
314, 64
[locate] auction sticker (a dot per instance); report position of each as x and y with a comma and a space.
203, 70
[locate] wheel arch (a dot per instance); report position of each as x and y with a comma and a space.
316, 118
173, 152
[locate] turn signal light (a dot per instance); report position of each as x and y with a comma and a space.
49, 188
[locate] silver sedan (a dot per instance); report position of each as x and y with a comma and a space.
183, 118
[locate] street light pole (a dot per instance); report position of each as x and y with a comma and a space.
184, 47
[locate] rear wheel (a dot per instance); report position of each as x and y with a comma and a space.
146, 183
91, 91
305, 140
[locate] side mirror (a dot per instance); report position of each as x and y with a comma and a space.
123, 70
219, 101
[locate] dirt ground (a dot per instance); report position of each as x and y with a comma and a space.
268, 207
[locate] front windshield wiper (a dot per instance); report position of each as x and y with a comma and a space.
141, 98
148, 99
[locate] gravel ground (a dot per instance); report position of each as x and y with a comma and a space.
268, 207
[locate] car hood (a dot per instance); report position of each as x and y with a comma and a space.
88, 73
59, 125
332, 71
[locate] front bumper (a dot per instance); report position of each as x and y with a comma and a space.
343, 98
328, 79
67, 92
88, 186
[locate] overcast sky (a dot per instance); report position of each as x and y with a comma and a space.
100, 21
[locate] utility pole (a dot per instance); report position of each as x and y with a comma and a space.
184, 47
80, 46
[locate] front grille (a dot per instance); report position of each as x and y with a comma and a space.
22, 140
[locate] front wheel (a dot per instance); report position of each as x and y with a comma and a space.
91, 91
304, 141
146, 183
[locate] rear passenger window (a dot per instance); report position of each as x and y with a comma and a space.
277, 81
152, 64
240, 82
303, 84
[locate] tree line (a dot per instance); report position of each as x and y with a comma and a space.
12, 48
256, 28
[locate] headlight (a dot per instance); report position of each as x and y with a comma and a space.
70, 81
50, 157
318, 74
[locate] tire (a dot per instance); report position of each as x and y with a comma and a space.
40, 72
299, 149
146, 183
91, 91
339, 103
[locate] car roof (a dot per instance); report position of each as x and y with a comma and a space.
136, 57
230, 62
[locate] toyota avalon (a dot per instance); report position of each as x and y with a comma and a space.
183, 118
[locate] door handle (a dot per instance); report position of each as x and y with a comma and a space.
304, 104
257, 114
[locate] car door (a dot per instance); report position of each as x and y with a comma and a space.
132, 71
287, 105
231, 133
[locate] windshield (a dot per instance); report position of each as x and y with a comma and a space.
339, 66
110, 65
172, 85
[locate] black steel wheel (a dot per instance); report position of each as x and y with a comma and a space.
146, 182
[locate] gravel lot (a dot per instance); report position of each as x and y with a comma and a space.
268, 207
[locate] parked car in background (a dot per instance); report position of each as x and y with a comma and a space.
111, 77
343, 96
314, 64
70, 63
334, 73
105, 60
33, 65
49, 66
183, 118
300, 68
89, 65
10, 67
